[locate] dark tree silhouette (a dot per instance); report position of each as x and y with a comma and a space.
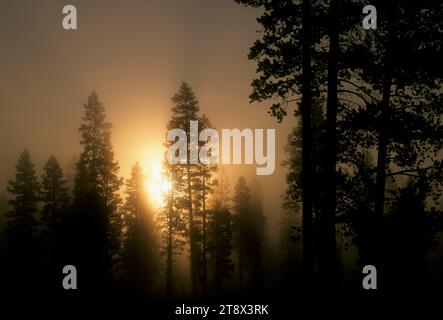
248, 229
139, 256
395, 109
55, 198
289, 253
192, 183
171, 223
96, 200
185, 110
21, 224
204, 183
220, 244
56, 202
285, 61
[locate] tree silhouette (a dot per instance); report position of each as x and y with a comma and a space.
220, 244
21, 223
396, 110
171, 223
192, 183
56, 202
98, 154
204, 183
139, 256
248, 229
185, 110
382, 95
54, 195
96, 200
284, 55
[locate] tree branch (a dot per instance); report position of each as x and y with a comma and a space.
361, 88
407, 172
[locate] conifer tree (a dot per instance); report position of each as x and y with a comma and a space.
204, 182
54, 195
139, 257
55, 198
248, 227
220, 245
191, 182
21, 223
24, 190
98, 156
96, 198
171, 222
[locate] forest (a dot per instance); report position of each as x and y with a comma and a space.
363, 165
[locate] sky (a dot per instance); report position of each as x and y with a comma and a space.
134, 54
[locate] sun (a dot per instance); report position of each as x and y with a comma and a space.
157, 186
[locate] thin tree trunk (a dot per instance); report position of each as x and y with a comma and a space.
169, 251
380, 184
192, 243
306, 144
381, 167
327, 223
217, 271
382, 146
204, 239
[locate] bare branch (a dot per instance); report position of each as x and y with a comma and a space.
407, 172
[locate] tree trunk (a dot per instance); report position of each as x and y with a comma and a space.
382, 144
376, 253
204, 239
169, 251
217, 271
306, 144
192, 244
382, 163
327, 219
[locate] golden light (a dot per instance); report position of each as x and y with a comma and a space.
156, 185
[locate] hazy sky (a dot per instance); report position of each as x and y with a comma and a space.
135, 54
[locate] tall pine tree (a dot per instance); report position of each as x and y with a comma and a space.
248, 229
191, 182
21, 224
220, 245
139, 257
55, 198
96, 198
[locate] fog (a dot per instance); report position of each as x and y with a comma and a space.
135, 55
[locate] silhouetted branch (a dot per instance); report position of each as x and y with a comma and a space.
361, 88
407, 172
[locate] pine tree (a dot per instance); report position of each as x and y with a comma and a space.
220, 244
171, 222
98, 155
55, 198
21, 223
186, 109
221, 189
54, 195
285, 71
24, 189
96, 198
204, 184
289, 251
301, 41
191, 183
395, 109
139, 257
249, 227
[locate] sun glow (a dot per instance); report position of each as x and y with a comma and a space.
156, 185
